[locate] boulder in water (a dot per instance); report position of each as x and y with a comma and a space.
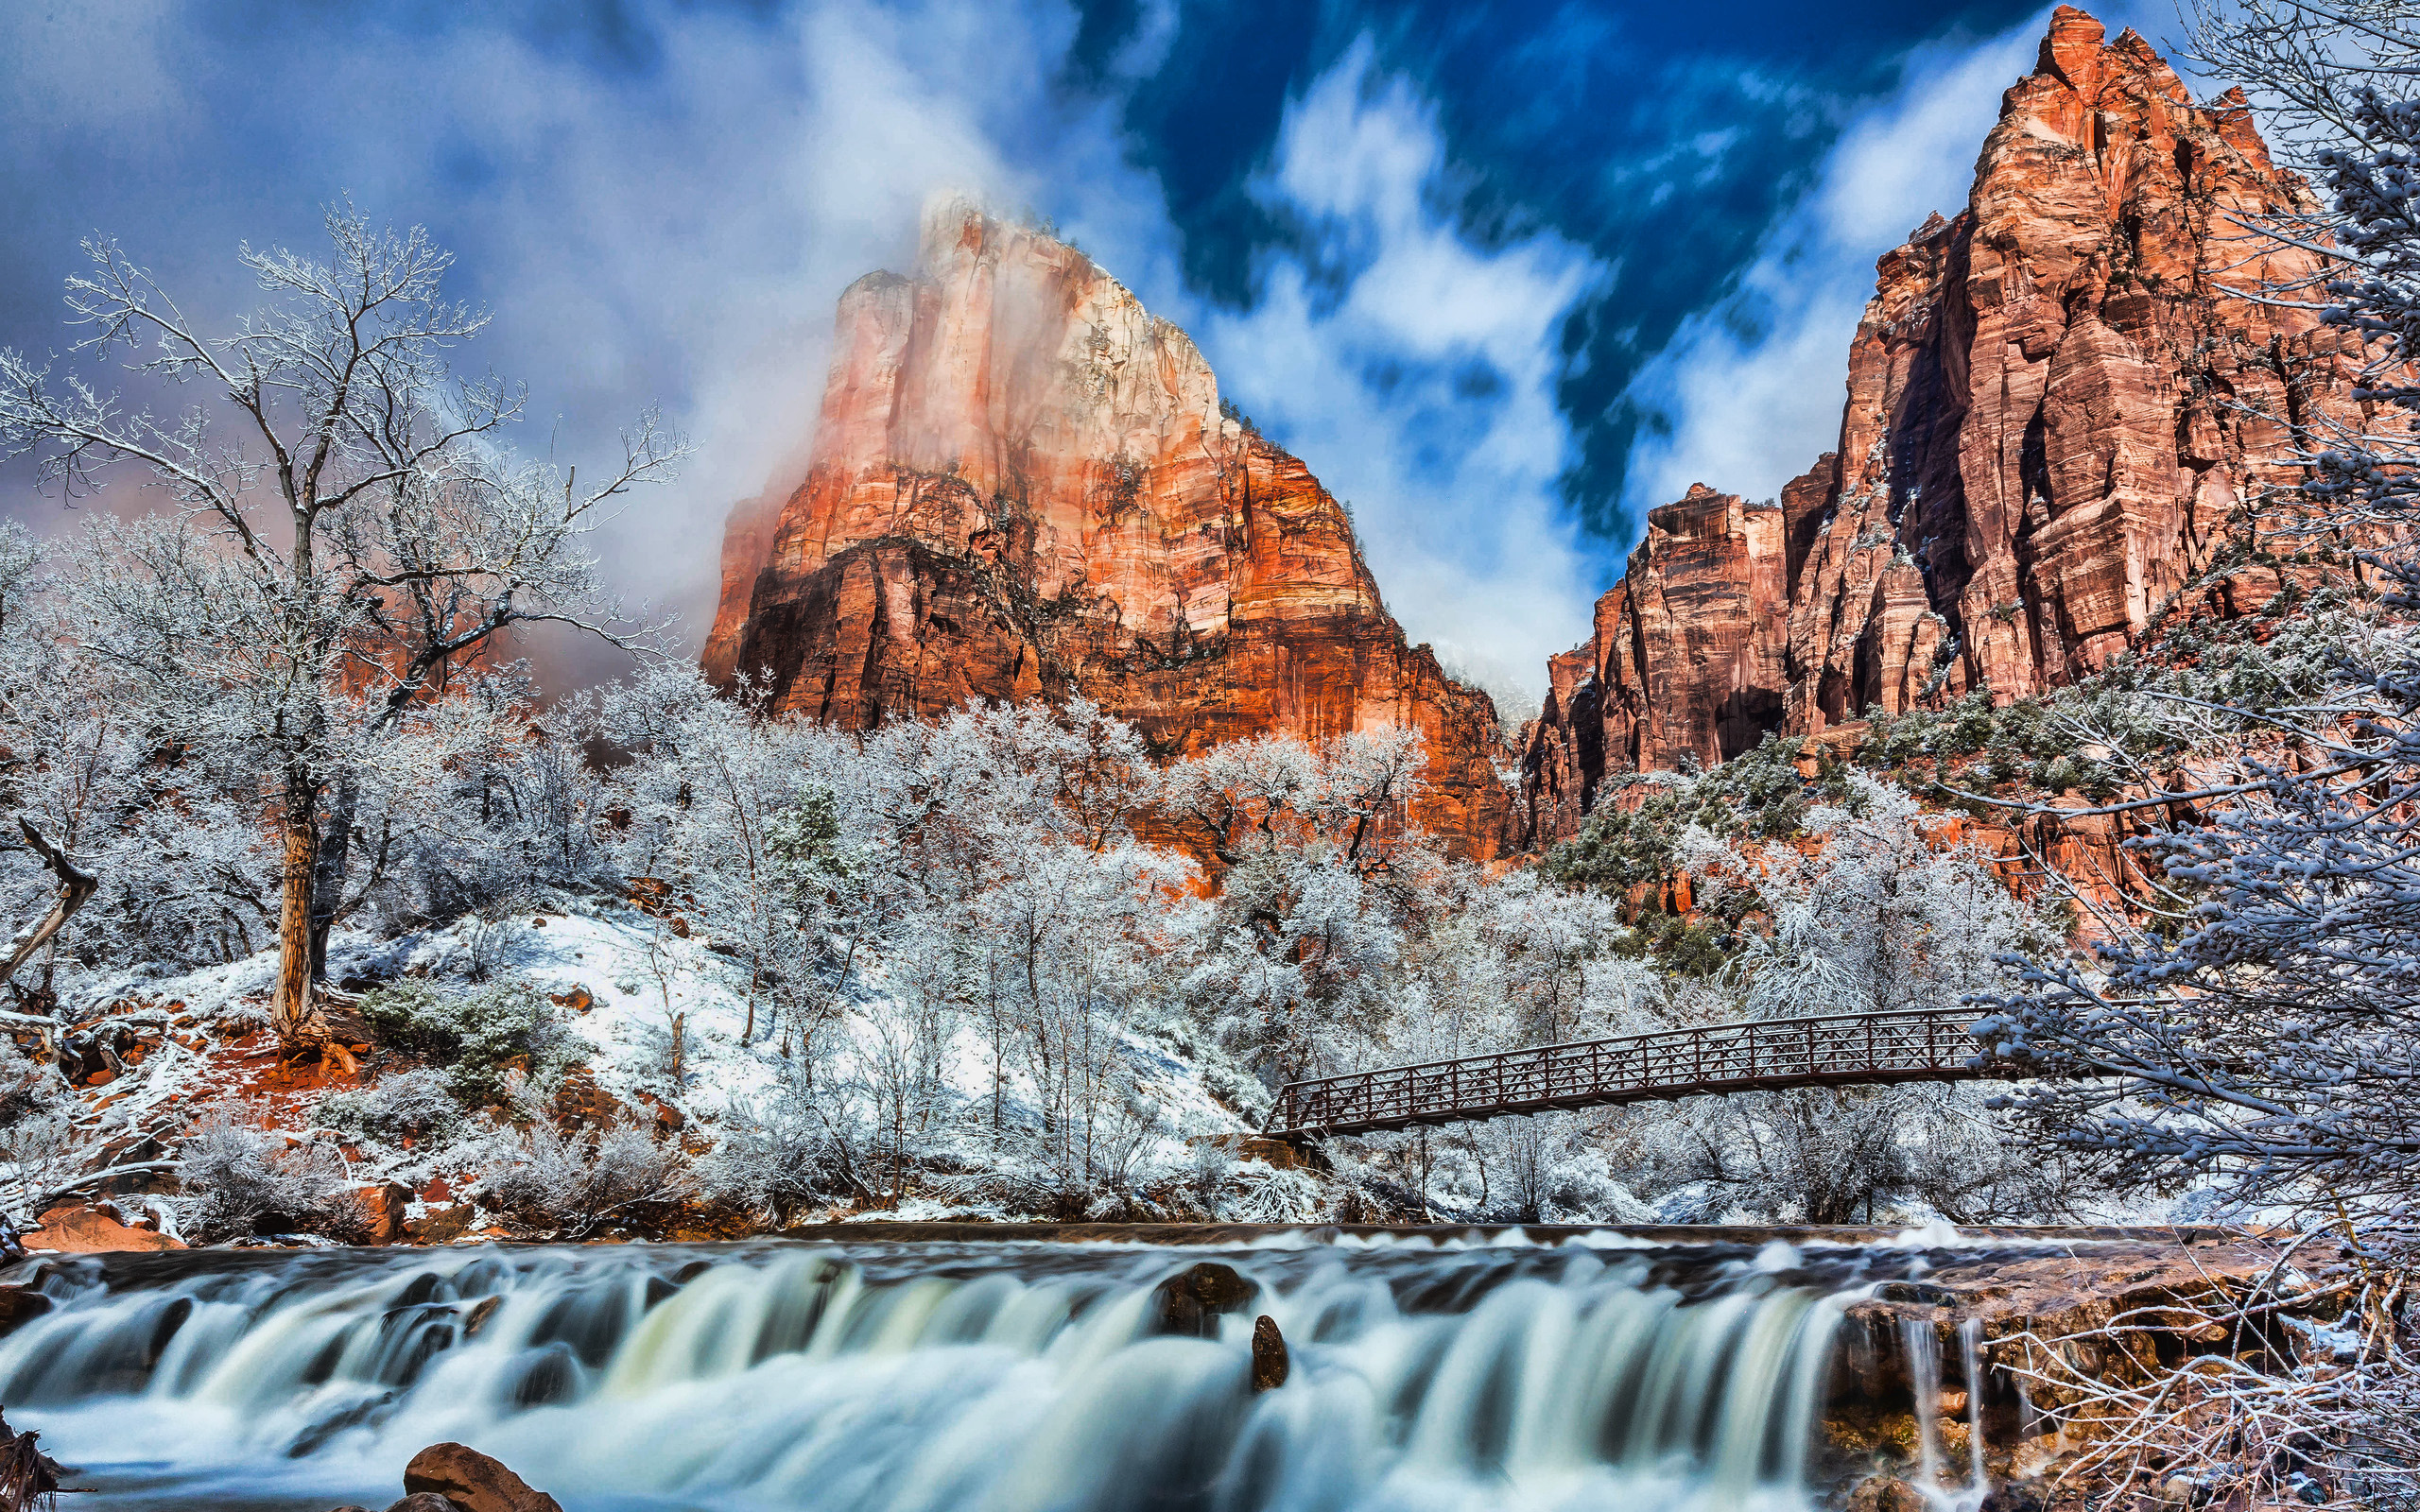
1269, 1364
424, 1501
18, 1305
476, 1319
471, 1481
1190, 1302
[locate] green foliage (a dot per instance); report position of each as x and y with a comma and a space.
811, 862
805, 836
1682, 947
1622, 844
473, 1037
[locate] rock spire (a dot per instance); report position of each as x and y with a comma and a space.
2052, 421
1023, 485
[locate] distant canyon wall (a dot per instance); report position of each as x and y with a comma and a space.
2046, 437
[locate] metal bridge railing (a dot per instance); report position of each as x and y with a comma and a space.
1917, 1044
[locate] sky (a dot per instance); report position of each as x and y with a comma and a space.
1505, 276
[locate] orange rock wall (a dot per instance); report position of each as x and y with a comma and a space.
2045, 436
1022, 486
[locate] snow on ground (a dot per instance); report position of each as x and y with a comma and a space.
636, 973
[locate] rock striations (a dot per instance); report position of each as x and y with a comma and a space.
1023, 485
2049, 430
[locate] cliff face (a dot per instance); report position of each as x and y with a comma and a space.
2045, 436
1686, 661
1023, 486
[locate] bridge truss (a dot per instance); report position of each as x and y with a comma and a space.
1761, 1054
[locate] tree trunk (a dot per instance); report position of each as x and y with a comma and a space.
292, 1015
328, 870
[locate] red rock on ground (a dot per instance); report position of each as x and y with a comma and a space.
2042, 441
383, 1210
76, 1230
1022, 486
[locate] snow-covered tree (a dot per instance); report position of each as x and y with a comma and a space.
343, 531
1880, 913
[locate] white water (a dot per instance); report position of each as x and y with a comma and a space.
1924, 1376
1000, 1378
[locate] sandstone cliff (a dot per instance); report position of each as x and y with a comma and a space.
1023, 486
2049, 432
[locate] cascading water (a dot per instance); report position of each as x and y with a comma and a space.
876, 1378
1925, 1384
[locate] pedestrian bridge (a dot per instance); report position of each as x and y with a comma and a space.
1757, 1054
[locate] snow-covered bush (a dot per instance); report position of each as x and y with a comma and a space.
476, 1036
42, 1148
574, 1184
241, 1177
786, 1151
415, 1104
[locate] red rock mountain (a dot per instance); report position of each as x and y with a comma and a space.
1022, 485
2044, 439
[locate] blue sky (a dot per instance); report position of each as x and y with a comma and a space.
1504, 275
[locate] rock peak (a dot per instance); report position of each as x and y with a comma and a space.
2053, 418
2071, 48
1022, 486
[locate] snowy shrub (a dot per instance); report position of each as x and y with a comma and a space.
476, 1036
27, 1087
41, 1147
1262, 1193
41, 1152
1210, 1165
242, 1178
417, 1103
782, 1152
573, 1184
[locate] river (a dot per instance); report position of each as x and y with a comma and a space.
1429, 1373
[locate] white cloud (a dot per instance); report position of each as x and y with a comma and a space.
1414, 371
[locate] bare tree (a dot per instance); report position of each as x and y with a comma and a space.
343, 529
76, 885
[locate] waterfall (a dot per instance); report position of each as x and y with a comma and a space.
1925, 1384
871, 1378
1970, 1356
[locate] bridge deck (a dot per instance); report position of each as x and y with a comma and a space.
1762, 1055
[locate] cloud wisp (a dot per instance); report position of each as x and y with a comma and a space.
1750, 389
1414, 369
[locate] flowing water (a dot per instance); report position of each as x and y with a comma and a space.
945, 1377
